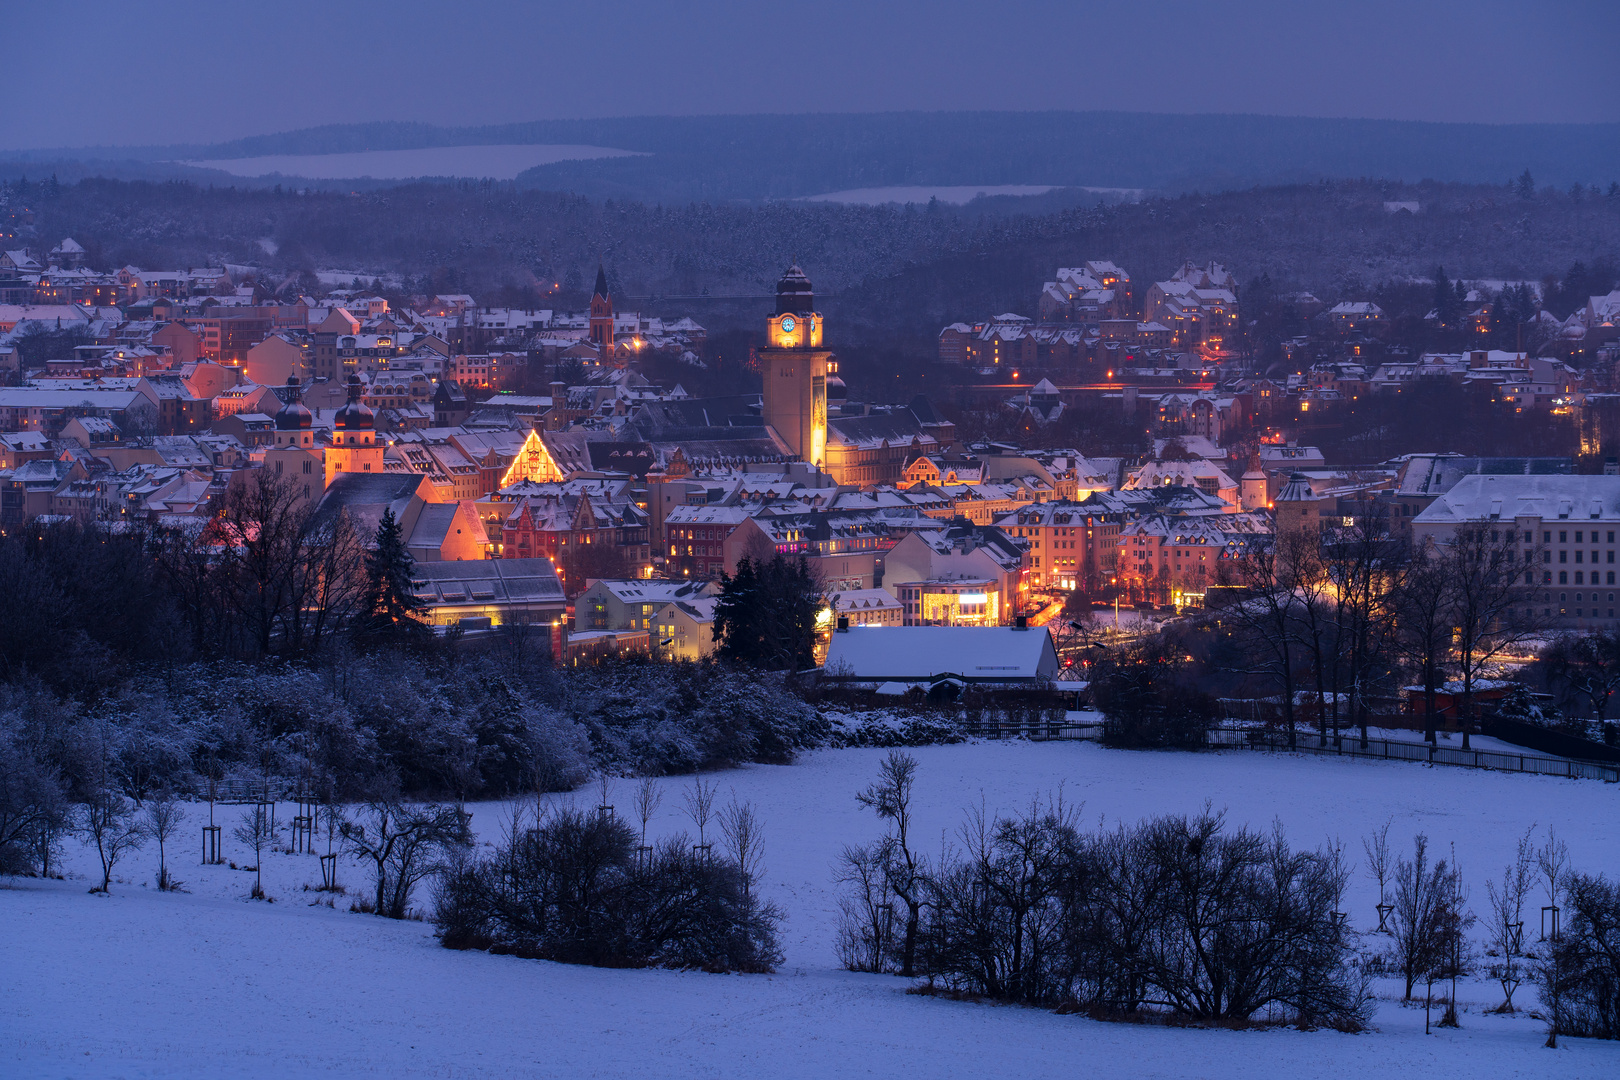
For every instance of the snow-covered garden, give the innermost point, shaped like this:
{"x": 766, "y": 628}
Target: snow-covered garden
{"x": 206, "y": 982}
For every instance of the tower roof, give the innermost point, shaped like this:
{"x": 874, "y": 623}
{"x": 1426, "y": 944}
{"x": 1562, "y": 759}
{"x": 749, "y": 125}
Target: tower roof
{"x": 794, "y": 293}
{"x": 293, "y": 415}
{"x": 1298, "y": 489}
{"x": 601, "y": 283}
{"x": 355, "y": 416}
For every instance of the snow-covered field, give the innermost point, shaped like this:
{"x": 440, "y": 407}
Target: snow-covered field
{"x": 208, "y": 983}
{"x": 494, "y": 162}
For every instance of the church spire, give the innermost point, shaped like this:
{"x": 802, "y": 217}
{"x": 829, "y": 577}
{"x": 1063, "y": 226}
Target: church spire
{"x": 601, "y": 328}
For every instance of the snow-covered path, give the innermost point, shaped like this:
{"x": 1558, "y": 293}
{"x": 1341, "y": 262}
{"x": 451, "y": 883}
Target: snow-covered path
{"x": 209, "y": 984}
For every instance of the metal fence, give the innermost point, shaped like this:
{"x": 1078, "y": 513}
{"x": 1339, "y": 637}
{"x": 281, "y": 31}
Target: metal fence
{"x": 1248, "y": 738}
{"x": 238, "y": 790}
{"x": 1036, "y": 730}
{"x": 1396, "y": 750}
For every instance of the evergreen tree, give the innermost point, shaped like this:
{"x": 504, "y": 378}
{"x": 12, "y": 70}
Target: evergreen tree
{"x": 766, "y": 614}
{"x": 1525, "y": 188}
{"x": 391, "y": 600}
{"x": 795, "y": 600}
{"x": 737, "y": 614}
{"x": 1445, "y": 299}
{"x": 1513, "y": 307}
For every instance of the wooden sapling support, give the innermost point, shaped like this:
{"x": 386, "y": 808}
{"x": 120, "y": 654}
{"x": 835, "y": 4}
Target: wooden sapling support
{"x": 303, "y": 825}
{"x": 211, "y": 855}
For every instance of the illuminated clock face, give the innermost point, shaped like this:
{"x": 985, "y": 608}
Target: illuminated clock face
{"x": 788, "y": 324}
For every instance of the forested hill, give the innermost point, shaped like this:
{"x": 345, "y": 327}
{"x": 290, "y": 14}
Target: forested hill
{"x": 749, "y": 158}
{"x": 899, "y": 269}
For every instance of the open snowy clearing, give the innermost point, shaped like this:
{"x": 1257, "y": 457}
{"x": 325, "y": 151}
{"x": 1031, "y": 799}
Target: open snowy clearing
{"x": 477, "y": 162}
{"x": 211, "y": 984}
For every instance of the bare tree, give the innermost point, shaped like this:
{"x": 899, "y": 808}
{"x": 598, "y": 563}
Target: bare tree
{"x": 263, "y": 523}
{"x": 186, "y": 560}
{"x": 1266, "y": 614}
{"x": 1586, "y": 666}
{"x": 327, "y": 582}
{"x": 105, "y": 819}
{"x": 890, "y": 799}
{"x": 1507, "y": 914}
{"x": 1315, "y": 617}
{"x": 1379, "y": 866}
{"x": 1424, "y": 628}
{"x": 866, "y": 909}
{"x": 163, "y": 817}
{"x": 1553, "y": 863}
{"x": 700, "y": 807}
{"x": 647, "y": 800}
{"x": 258, "y": 830}
{"x": 404, "y": 844}
{"x": 1368, "y": 570}
{"x": 1425, "y": 916}
{"x": 1486, "y": 598}
{"x": 31, "y": 801}
{"x": 739, "y": 824}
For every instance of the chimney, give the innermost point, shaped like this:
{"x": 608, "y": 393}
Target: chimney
{"x": 1611, "y": 466}
{"x": 843, "y": 624}
{"x": 1021, "y": 623}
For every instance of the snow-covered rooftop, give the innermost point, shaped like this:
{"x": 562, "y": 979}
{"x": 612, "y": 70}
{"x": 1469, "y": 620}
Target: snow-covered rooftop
{"x": 922, "y": 653}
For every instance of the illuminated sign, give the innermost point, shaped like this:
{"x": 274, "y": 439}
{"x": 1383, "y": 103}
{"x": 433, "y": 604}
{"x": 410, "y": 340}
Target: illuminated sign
{"x": 973, "y": 598}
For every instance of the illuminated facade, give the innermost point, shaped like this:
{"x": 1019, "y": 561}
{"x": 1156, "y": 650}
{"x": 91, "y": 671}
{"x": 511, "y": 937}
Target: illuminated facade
{"x": 533, "y": 462}
{"x": 795, "y": 367}
{"x": 950, "y": 603}
{"x": 354, "y": 438}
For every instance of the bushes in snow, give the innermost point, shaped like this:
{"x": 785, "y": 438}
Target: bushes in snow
{"x": 1178, "y": 914}
{"x": 1580, "y": 979}
{"x": 885, "y": 728}
{"x": 385, "y": 725}
{"x": 575, "y": 886}
{"x": 672, "y": 718}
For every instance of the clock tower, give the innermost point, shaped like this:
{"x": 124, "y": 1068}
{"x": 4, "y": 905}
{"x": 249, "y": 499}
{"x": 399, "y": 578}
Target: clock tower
{"x": 794, "y": 369}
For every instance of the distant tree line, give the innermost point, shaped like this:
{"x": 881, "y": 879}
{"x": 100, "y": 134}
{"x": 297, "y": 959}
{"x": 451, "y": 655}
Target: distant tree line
{"x": 1325, "y": 627}
{"x": 896, "y": 270}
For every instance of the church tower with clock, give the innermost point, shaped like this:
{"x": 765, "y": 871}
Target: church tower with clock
{"x": 794, "y": 367}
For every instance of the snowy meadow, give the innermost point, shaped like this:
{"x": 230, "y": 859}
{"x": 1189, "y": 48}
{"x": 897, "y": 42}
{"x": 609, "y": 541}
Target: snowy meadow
{"x": 209, "y": 983}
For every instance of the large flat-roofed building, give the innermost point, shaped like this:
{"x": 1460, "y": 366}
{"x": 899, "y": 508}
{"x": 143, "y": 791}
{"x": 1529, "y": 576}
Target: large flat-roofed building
{"x": 926, "y": 654}
{"x": 504, "y": 591}
{"x": 1563, "y": 528}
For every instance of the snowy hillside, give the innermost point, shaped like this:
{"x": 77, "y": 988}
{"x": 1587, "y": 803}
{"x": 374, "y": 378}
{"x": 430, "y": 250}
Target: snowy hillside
{"x": 207, "y": 983}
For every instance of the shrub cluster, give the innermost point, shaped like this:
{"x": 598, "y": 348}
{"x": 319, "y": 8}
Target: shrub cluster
{"x": 576, "y": 887}
{"x": 889, "y": 728}
{"x": 1178, "y": 916}
{"x": 1580, "y": 980}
